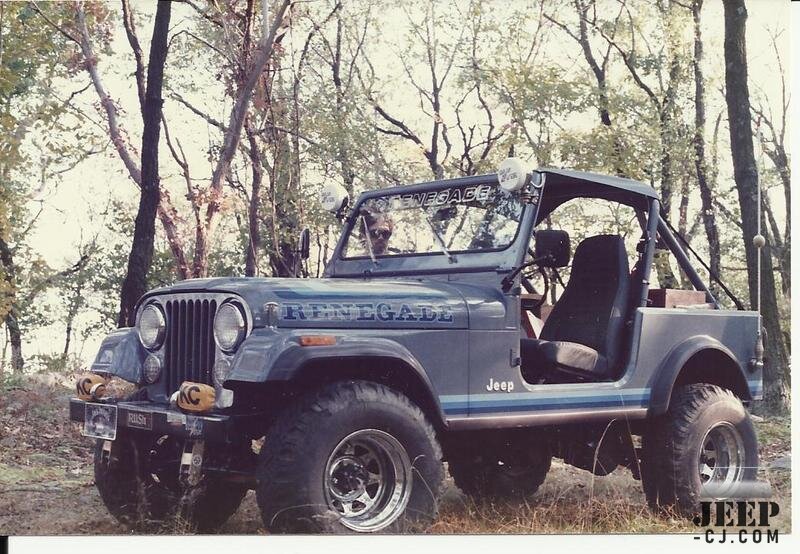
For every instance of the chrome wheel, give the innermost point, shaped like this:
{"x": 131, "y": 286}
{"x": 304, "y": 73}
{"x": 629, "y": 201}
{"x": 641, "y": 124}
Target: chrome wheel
{"x": 721, "y": 460}
{"x": 368, "y": 480}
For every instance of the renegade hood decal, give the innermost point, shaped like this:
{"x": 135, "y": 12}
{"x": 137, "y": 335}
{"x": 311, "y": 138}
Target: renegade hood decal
{"x": 343, "y": 303}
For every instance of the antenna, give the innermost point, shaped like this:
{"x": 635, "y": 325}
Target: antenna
{"x": 759, "y": 242}
{"x": 375, "y": 149}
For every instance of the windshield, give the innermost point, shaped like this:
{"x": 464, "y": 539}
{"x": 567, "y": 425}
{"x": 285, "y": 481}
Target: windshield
{"x": 465, "y": 218}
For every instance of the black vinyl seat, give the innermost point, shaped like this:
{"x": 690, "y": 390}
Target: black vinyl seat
{"x": 582, "y": 338}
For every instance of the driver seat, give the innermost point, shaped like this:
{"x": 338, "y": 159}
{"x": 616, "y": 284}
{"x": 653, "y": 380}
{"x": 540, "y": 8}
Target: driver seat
{"x": 582, "y": 338}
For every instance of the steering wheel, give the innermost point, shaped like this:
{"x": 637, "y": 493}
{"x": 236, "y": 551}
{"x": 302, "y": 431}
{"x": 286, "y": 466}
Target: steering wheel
{"x": 529, "y": 287}
{"x": 546, "y": 280}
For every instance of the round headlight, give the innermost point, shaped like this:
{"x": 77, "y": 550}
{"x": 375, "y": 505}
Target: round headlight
{"x": 152, "y": 369}
{"x": 221, "y": 369}
{"x": 152, "y": 327}
{"x": 229, "y": 327}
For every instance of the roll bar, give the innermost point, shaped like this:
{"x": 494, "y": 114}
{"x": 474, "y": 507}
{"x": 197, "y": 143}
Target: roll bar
{"x": 683, "y": 260}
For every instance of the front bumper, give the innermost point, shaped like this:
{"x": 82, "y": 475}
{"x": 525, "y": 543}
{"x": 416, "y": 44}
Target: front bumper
{"x": 144, "y": 416}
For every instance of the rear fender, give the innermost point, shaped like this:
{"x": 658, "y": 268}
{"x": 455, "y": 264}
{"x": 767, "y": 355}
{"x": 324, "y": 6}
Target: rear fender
{"x": 722, "y": 368}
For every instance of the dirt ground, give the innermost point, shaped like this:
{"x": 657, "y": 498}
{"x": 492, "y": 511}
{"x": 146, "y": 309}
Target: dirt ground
{"x": 47, "y": 487}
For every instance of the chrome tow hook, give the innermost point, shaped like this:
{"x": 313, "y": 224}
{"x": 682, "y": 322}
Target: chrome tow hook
{"x": 191, "y": 468}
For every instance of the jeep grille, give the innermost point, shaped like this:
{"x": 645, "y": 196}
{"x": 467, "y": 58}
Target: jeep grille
{"x": 189, "y": 345}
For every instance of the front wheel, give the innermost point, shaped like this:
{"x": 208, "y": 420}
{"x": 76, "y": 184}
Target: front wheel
{"x": 705, "y": 445}
{"x": 137, "y": 478}
{"x": 354, "y": 457}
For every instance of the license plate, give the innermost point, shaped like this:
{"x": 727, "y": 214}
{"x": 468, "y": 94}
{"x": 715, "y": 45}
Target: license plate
{"x": 140, "y": 420}
{"x": 100, "y": 421}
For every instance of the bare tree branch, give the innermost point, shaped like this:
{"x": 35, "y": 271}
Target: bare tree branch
{"x": 234, "y": 130}
{"x": 105, "y": 99}
{"x": 210, "y": 120}
{"x": 133, "y": 40}
{"x": 54, "y": 25}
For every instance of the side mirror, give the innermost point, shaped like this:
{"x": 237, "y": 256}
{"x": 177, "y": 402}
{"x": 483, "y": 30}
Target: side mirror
{"x": 334, "y": 198}
{"x": 304, "y": 244}
{"x": 553, "y": 245}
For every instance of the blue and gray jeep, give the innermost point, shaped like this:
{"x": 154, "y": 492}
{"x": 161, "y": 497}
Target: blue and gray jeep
{"x": 340, "y": 399}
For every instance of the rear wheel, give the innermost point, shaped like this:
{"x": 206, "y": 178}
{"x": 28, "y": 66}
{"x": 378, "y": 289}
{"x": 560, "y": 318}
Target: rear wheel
{"x": 354, "y": 457}
{"x": 706, "y": 443}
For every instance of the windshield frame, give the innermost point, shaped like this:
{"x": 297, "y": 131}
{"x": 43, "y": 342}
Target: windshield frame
{"x": 430, "y": 263}
{"x": 350, "y": 225}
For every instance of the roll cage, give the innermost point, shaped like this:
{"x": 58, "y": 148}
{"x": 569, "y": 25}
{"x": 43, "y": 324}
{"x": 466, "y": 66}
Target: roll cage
{"x": 557, "y": 187}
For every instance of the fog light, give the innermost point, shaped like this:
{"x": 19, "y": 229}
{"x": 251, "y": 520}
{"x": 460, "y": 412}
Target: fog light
{"x": 196, "y": 397}
{"x": 152, "y": 369}
{"x": 221, "y": 370}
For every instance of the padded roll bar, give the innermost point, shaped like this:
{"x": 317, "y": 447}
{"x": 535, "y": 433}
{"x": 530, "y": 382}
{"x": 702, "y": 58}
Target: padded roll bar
{"x": 653, "y": 219}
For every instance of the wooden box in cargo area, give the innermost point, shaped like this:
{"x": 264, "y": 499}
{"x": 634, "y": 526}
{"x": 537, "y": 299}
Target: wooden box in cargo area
{"x": 672, "y": 298}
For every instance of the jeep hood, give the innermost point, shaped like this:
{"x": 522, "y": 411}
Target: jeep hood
{"x": 353, "y": 303}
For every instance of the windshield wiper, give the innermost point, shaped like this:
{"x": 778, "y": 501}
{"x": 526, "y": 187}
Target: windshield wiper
{"x": 440, "y": 240}
{"x": 368, "y": 241}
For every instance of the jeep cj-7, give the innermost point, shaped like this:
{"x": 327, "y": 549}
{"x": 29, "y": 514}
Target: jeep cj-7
{"x": 340, "y": 399}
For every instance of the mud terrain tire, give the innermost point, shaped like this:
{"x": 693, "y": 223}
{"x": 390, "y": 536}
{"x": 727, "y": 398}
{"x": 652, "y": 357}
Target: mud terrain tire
{"x": 145, "y": 501}
{"x": 675, "y": 447}
{"x": 307, "y": 455}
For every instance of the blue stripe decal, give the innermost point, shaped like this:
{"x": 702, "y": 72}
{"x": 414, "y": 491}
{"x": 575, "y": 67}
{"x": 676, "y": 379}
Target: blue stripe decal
{"x": 516, "y": 402}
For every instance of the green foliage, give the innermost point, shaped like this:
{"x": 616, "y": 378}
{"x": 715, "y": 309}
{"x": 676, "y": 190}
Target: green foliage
{"x": 55, "y": 364}
{"x": 11, "y": 381}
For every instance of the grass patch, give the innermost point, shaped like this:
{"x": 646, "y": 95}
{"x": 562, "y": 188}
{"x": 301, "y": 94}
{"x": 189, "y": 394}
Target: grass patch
{"x": 774, "y": 431}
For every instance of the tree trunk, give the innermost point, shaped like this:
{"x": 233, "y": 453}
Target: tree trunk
{"x": 737, "y": 96}
{"x": 284, "y": 222}
{"x": 701, "y": 167}
{"x": 254, "y": 244}
{"x": 67, "y": 338}
{"x": 141, "y": 256}
{"x": 15, "y": 338}
{"x": 11, "y": 317}
{"x": 72, "y": 312}
{"x": 780, "y": 247}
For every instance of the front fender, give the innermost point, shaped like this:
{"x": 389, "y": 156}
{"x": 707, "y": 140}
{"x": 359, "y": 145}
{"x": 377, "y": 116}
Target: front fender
{"x": 271, "y": 356}
{"x": 675, "y": 361}
{"x": 122, "y": 355}
{"x": 268, "y": 355}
